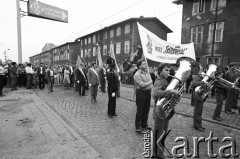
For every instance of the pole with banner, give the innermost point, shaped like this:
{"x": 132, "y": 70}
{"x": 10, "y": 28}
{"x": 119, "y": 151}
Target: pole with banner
{"x": 113, "y": 55}
{"x": 99, "y": 57}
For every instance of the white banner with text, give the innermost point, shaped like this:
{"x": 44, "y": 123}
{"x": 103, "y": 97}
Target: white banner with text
{"x": 158, "y": 50}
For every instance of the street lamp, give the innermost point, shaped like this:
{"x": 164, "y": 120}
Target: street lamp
{"x": 5, "y": 55}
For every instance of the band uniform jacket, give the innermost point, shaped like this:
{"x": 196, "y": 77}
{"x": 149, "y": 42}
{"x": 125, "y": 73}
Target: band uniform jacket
{"x": 93, "y": 78}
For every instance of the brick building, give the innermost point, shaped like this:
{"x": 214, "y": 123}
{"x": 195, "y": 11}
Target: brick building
{"x": 122, "y": 37}
{"x": 198, "y": 19}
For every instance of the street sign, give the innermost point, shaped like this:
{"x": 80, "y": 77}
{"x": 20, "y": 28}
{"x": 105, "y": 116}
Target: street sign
{"x": 42, "y": 10}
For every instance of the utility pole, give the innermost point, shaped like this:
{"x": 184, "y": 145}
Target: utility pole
{"x": 214, "y": 30}
{"x": 19, "y": 32}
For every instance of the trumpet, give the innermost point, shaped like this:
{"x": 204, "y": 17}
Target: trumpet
{"x": 230, "y": 84}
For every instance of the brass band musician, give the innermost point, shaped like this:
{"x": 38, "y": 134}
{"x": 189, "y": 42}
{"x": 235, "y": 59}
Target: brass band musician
{"x": 232, "y": 94}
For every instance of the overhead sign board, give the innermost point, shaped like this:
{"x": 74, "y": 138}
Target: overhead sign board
{"x": 42, "y": 10}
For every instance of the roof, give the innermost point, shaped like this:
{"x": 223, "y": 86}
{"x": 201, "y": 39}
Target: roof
{"x": 133, "y": 19}
{"x": 177, "y": 2}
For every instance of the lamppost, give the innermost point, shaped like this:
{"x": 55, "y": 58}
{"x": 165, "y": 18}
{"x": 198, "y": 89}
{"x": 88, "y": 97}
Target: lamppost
{"x": 5, "y": 55}
{"x": 214, "y": 30}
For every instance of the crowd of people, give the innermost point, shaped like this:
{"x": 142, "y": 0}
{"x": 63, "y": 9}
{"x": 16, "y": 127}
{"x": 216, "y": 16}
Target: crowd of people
{"x": 148, "y": 82}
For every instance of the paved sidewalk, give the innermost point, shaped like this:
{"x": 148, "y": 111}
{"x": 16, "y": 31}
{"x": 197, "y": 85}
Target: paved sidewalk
{"x": 30, "y": 129}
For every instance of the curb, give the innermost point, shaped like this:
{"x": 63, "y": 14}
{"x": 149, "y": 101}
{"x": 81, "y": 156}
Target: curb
{"x": 70, "y": 129}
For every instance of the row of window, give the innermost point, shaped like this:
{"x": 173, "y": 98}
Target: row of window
{"x": 93, "y": 39}
{"x": 61, "y": 57}
{"x": 197, "y": 33}
{"x": 106, "y": 50}
{"x": 199, "y": 6}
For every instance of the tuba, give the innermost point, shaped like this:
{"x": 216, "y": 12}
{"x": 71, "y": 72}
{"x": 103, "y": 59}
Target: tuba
{"x": 202, "y": 91}
{"x": 186, "y": 66}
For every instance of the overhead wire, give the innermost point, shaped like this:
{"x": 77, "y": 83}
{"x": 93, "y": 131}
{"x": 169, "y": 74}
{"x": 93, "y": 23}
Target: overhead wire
{"x": 116, "y": 14}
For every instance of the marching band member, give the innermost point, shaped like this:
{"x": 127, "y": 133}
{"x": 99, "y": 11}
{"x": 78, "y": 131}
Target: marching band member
{"x": 219, "y": 90}
{"x": 159, "y": 91}
{"x": 232, "y": 95}
{"x": 198, "y": 103}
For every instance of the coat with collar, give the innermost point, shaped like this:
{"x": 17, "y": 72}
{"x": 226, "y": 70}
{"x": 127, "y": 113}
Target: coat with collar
{"x": 80, "y": 75}
{"x": 39, "y": 70}
{"x": 93, "y": 78}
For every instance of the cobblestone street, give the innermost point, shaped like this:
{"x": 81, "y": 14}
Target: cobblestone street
{"x": 116, "y": 138}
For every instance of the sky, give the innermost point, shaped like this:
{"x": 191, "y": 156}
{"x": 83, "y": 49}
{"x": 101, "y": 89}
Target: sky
{"x": 84, "y": 17}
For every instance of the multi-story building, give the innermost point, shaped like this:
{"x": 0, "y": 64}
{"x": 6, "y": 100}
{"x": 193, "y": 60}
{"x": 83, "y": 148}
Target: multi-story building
{"x": 122, "y": 38}
{"x": 198, "y": 19}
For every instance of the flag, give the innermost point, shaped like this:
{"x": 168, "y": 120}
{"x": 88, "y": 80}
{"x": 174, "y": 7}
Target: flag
{"x": 99, "y": 56}
{"x": 79, "y": 61}
{"x": 112, "y": 54}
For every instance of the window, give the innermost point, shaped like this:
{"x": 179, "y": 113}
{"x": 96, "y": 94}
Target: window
{"x": 118, "y": 31}
{"x": 127, "y": 29}
{"x": 126, "y": 46}
{"x": 81, "y": 53}
{"x": 118, "y": 48}
{"x": 221, "y": 4}
{"x": 197, "y": 34}
{"x": 94, "y": 51}
{"x": 81, "y": 42}
{"x": 86, "y": 53}
{"x": 105, "y": 35}
{"x": 89, "y": 52}
{"x": 94, "y": 39}
{"x": 216, "y": 60}
{"x": 111, "y": 33}
{"x": 85, "y": 41}
{"x": 198, "y": 7}
{"x": 104, "y": 49}
{"x": 89, "y": 40}
{"x": 218, "y": 32}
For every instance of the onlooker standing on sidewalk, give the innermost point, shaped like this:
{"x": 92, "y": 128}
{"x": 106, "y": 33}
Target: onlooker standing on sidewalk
{"x": 21, "y": 75}
{"x": 41, "y": 75}
{"x": 29, "y": 72}
{"x": 2, "y": 76}
{"x": 50, "y": 78}
{"x": 143, "y": 84}
{"x": 112, "y": 80}
{"x": 13, "y": 75}
{"x": 93, "y": 82}
{"x": 66, "y": 79}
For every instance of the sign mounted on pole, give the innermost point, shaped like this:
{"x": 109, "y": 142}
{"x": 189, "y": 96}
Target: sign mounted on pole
{"x": 42, "y": 10}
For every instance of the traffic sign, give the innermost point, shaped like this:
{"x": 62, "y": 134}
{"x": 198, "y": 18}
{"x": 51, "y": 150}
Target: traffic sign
{"x": 42, "y": 10}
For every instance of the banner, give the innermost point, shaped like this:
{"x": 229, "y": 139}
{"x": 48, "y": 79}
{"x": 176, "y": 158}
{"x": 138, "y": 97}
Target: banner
{"x": 99, "y": 56}
{"x": 159, "y": 50}
{"x": 79, "y": 61}
{"x": 112, "y": 54}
